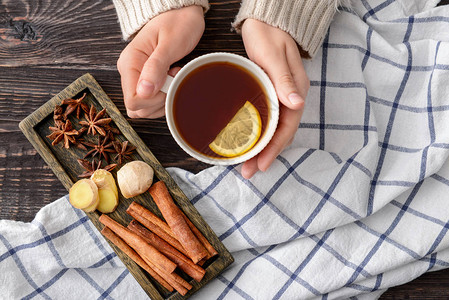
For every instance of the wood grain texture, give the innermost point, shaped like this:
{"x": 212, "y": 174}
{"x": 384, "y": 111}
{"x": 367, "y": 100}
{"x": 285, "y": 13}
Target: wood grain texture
{"x": 40, "y": 33}
{"x": 430, "y": 286}
{"x": 45, "y": 45}
{"x": 64, "y": 164}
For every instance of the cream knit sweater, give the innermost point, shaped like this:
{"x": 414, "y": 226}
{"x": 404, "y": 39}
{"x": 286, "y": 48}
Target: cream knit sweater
{"x": 307, "y": 21}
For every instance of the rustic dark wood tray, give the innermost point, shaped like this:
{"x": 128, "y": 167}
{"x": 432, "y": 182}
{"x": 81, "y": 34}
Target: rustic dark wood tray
{"x": 64, "y": 164}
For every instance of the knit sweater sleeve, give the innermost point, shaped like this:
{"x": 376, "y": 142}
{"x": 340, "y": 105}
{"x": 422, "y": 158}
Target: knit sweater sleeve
{"x": 134, "y": 14}
{"x": 307, "y": 21}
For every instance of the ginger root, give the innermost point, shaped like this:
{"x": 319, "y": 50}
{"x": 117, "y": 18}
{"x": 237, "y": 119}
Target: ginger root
{"x": 107, "y": 191}
{"x": 94, "y": 206}
{"x": 135, "y": 178}
{"x": 84, "y": 195}
{"x": 108, "y": 201}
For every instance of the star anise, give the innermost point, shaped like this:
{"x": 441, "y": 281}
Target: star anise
{"x": 79, "y": 143}
{"x": 75, "y": 105}
{"x": 82, "y": 130}
{"x": 91, "y": 167}
{"x": 58, "y": 116}
{"x": 64, "y": 132}
{"x": 111, "y": 131}
{"x": 124, "y": 150}
{"x": 102, "y": 148}
{"x": 95, "y": 121}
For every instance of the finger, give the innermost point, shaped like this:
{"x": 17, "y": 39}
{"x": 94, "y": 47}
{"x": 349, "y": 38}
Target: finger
{"x": 288, "y": 125}
{"x": 249, "y": 168}
{"x": 153, "y": 105}
{"x": 132, "y": 114}
{"x": 147, "y": 114}
{"x": 296, "y": 66}
{"x": 129, "y": 78}
{"x": 129, "y": 65}
{"x": 173, "y": 71}
{"x": 154, "y": 73}
{"x": 276, "y": 65}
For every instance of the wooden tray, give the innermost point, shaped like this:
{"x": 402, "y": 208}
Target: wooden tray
{"x": 65, "y": 166}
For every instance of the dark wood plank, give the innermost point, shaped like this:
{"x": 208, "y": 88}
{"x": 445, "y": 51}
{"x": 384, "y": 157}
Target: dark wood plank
{"x": 85, "y": 34}
{"x": 59, "y": 33}
{"x": 45, "y": 45}
{"x": 430, "y": 286}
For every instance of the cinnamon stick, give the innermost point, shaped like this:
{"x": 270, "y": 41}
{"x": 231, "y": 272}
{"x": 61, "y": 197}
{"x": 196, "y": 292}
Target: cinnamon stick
{"x": 174, "y": 217}
{"x": 173, "y": 279}
{"x": 116, "y": 240}
{"x": 201, "y": 238}
{"x": 139, "y": 245}
{"x": 156, "y": 225}
{"x": 183, "y": 262}
{"x": 202, "y": 262}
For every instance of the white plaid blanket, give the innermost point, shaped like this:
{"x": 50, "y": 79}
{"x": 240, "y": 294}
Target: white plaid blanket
{"x": 358, "y": 203}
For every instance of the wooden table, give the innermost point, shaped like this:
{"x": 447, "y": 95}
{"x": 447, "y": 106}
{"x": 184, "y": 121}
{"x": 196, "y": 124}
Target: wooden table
{"x": 44, "y": 46}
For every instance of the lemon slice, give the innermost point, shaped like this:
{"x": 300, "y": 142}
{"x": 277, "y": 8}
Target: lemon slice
{"x": 240, "y": 134}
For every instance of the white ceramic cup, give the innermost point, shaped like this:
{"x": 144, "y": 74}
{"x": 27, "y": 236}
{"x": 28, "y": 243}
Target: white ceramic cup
{"x": 172, "y": 84}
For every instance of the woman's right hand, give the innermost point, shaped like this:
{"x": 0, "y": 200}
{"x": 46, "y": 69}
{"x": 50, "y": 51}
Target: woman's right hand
{"x": 277, "y": 53}
{"x": 144, "y": 64}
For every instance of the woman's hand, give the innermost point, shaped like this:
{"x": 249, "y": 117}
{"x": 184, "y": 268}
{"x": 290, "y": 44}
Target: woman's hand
{"x": 277, "y": 54}
{"x": 145, "y": 62}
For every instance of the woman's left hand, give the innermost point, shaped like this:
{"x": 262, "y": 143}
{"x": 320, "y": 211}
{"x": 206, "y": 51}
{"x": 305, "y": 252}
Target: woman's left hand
{"x": 277, "y": 54}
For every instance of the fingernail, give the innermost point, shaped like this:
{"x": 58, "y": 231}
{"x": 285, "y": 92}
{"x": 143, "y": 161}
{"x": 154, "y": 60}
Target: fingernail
{"x": 294, "y": 98}
{"x": 145, "y": 88}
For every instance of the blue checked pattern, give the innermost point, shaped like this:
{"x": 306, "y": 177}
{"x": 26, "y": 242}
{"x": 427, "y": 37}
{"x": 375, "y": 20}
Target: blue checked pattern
{"x": 355, "y": 205}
